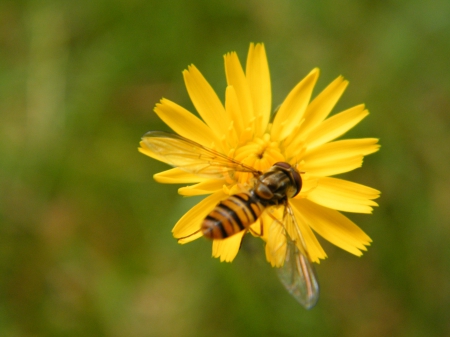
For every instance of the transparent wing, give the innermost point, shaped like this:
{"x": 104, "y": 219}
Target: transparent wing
{"x": 191, "y": 156}
{"x": 297, "y": 273}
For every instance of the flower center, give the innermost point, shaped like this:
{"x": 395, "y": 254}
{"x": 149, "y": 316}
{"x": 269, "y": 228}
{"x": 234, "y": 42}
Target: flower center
{"x": 260, "y": 153}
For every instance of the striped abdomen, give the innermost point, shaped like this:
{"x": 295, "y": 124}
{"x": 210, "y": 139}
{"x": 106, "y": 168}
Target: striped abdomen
{"x": 231, "y": 216}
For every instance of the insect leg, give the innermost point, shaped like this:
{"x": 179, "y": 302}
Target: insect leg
{"x": 188, "y": 236}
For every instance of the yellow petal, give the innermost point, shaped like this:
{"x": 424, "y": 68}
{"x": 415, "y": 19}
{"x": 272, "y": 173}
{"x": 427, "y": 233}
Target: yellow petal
{"x": 314, "y": 248}
{"x": 322, "y": 105}
{"x": 343, "y": 195}
{"x": 308, "y": 183}
{"x": 205, "y": 100}
{"x": 190, "y": 222}
{"x": 236, "y": 77}
{"x": 185, "y": 123}
{"x": 293, "y": 107}
{"x": 344, "y": 148}
{"x": 275, "y": 237}
{"x": 335, "y": 126}
{"x": 228, "y": 248}
{"x": 234, "y": 110}
{"x": 257, "y": 229}
{"x": 325, "y": 168}
{"x": 276, "y": 244}
{"x": 266, "y": 221}
{"x": 177, "y": 176}
{"x": 148, "y": 152}
{"x": 335, "y": 152}
{"x": 258, "y": 77}
{"x": 206, "y": 187}
{"x": 333, "y": 226}
{"x": 294, "y": 143}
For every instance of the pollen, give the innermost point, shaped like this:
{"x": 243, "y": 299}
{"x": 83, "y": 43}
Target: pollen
{"x": 260, "y": 153}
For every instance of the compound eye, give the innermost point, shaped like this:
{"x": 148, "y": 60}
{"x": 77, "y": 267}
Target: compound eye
{"x": 282, "y": 165}
{"x": 297, "y": 181}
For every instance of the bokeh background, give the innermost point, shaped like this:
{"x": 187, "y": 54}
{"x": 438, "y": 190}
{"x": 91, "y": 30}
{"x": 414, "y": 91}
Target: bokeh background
{"x": 85, "y": 232}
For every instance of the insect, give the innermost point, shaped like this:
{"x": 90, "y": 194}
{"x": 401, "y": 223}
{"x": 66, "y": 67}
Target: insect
{"x": 239, "y": 211}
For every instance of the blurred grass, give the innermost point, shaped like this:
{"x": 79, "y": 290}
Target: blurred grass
{"x": 85, "y": 241}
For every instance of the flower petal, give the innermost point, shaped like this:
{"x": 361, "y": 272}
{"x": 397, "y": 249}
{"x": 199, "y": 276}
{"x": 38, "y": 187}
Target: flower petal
{"x": 205, "y": 187}
{"x": 205, "y": 100}
{"x": 332, "y": 155}
{"x": 190, "y": 222}
{"x": 185, "y": 123}
{"x": 335, "y": 126}
{"x": 344, "y": 148}
{"x": 343, "y": 195}
{"x": 293, "y": 107}
{"x": 308, "y": 183}
{"x": 275, "y": 237}
{"x": 315, "y": 250}
{"x": 276, "y": 244}
{"x": 236, "y": 78}
{"x": 324, "y": 168}
{"x": 258, "y": 78}
{"x": 148, "y": 152}
{"x": 322, "y": 105}
{"x": 333, "y": 226}
{"x": 256, "y": 229}
{"x": 228, "y": 248}
{"x": 234, "y": 110}
{"x": 177, "y": 176}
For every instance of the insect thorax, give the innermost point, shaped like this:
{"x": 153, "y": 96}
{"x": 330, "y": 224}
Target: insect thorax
{"x": 280, "y": 182}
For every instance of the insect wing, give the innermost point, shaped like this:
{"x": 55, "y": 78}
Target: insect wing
{"x": 297, "y": 273}
{"x": 191, "y": 156}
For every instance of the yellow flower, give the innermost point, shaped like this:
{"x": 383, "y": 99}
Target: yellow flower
{"x": 300, "y": 134}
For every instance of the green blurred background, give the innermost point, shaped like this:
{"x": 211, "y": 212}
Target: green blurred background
{"x": 85, "y": 232}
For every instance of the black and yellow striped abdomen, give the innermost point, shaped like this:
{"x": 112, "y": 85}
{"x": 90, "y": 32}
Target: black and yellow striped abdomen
{"x": 231, "y": 216}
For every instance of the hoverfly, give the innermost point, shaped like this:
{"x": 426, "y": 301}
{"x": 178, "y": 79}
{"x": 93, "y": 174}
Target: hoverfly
{"x": 239, "y": 211}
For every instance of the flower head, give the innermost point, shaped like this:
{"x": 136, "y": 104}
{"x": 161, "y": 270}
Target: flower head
{"x": 300, "y": 133}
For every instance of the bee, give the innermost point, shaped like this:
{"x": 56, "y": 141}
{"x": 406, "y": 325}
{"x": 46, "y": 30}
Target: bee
{"x": 239, "y": 211}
